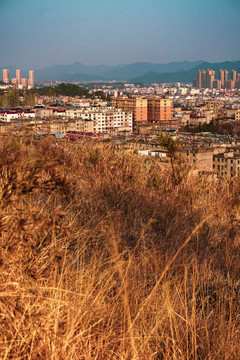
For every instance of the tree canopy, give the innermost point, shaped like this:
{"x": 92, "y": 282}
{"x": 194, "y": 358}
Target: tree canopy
{"x": 70, "y": 90}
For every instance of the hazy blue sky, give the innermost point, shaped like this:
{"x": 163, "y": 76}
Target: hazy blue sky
{"x": 38, "y": 33}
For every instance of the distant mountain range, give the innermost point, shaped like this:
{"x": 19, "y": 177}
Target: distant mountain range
{"x": 81, "y": 72}
{"x": 140, "y": 72}
{"x": 185, "y": 76}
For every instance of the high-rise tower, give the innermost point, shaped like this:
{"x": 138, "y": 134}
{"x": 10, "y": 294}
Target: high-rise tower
{"x": 18, "y": 76}
{"x": 199, "y": 79}
{"x": 204, "y": 79}
{"x": 6, "y": 76}
{"x": 223, "y": 77}
{"x": 210, "y": 78}
{"x": 234, "y": 75}
{"x": 31, "y": 79}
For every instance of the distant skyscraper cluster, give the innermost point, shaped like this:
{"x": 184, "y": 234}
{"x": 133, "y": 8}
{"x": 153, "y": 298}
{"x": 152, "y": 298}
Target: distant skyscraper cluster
{"x": 206, "y": 80}
{"x": 18, "y": 81}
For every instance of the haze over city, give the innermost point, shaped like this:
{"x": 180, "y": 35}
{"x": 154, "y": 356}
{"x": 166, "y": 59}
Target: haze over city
{"x": 35, "y": 33}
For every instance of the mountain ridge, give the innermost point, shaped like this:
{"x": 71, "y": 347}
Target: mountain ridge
{"x": 185, "y": 76}
{"x": 140, "y": 72}
{"x": 103, "y": 72}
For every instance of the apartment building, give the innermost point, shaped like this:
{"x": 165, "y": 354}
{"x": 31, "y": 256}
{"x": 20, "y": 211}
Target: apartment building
{"x": 31, "y": 79}
{"x": 159, "y": 109}
{"x": 6, "y": 76}
{"x": 197, "y": 119}
{"x": 237, "y": 115}
{"x": 223, "y": 77}
{"x": 64, "y": 126}
{"x": 137, "y": 106}
{"x": 105, "y": 120}
{"x": 18, "y": 81}
{"x": 212, "y": 106}
{"x": 146, "y": 110}
{"x": 206, "y": 79}
{"x": 18, "y": 77}
{"x": 210, "y": 78}
{"x": 200, "y": 158}
{"x": 227, "y": 164}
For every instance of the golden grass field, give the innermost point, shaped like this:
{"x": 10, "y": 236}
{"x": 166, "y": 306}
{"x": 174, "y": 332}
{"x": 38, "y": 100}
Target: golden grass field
{"x": 105, "y": 257}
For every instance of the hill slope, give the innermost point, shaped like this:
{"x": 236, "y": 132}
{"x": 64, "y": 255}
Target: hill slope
{"x": 104, "y": 256}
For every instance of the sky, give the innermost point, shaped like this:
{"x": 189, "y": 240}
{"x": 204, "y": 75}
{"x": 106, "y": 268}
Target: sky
{"x": 39, "y": 33}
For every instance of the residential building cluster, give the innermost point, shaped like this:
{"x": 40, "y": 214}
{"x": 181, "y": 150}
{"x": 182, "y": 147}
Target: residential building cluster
{"x": 19, "y": 82}
{"x": 135, "y": 117}
{"x": 95, "y": 119}
{"x": 205, "y": 79}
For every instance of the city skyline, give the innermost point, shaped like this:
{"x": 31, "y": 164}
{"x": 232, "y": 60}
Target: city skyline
{"x": 110, "y": 32}
{"x": 19, "y": 81}
{"x": 206, "y": 79}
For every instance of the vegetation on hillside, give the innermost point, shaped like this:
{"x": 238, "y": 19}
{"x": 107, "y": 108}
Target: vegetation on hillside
{"x": 211, "y": 127}
{"x": 103, "y": 256}
{"x": 63, "y": 89}
{"x": 69, "y": 90}
{"x": 218, "y": 126}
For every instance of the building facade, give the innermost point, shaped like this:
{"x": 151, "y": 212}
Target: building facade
{"x": 227, "y": 164}
{"x": 8, "y": 116}
{"x": 206, "y": 79}
{"x": 31, "y": 79}
{"x": 147, "y": 110}
{"x": 18, "y": 81}
{"x": 6, "y": 76}
{"x": 18, "y": 77}
{"x": 105, "y": 120}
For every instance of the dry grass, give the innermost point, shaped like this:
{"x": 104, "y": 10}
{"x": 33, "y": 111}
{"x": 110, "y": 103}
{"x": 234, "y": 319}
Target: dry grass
{"x": 103, "y": 257}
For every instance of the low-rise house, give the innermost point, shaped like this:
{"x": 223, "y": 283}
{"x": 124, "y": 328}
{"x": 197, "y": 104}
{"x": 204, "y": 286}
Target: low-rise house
{"x": 10, "y": 115}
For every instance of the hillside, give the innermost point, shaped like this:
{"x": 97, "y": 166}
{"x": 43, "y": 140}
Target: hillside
{"x": 69, "y": 90}
{"x": 104, "y": 256}
{"x": 63, "y": 89}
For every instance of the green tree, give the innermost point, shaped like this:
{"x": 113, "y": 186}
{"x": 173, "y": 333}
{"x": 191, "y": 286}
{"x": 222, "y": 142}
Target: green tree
{"x": 171, "y": 146}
